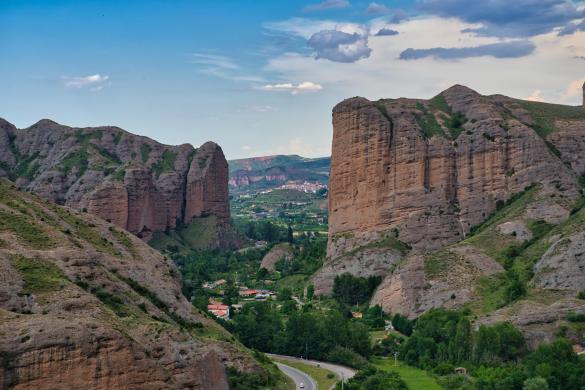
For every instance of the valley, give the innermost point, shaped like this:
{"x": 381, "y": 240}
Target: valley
{"x": 442, "y": 251}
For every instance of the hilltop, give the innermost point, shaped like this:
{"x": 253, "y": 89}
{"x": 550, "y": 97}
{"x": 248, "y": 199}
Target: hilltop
{"x": 136, "y": 183}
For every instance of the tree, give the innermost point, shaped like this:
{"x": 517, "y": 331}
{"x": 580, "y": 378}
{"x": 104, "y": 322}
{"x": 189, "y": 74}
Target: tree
{"x": 231, "y": 293}
{"x": 289, "y": 235}
{"x": 536, "y": 383}
{"x": 460, "y": 347}
{"x": 310, "y": 292}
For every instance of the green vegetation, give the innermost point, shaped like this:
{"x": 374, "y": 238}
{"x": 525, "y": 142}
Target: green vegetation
{"x": 39, "y": 276}
{"x": 145, "y": 150}
{"x": 198, "y": 234}
{"x": 87, "y": 232}
{"x": 165, "y": 164}
{"x": 324, "y": 378}
{"x": 124, "y": 240}
{"x": 437, "y": 263}
{"x": 428, "y": 123}
{"x": 545, "y": 114}
{"x": 26, "y": 167}
{"x": 85, "y": 137}
{"x": 495, "y": 356}
{"x": 25, "y": 229}
{"x": 352, "y": 290}
{"x": 77, "y": 159}
{"x": 323, "y": 335}
{"x": 372, "y": 378}
{"x": 414, "y": 378}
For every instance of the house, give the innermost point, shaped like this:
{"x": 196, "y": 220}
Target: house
{"x": 248, "y": 293}
{"x": 356, "y": 314}
{"x": 220, "y": 311}
{"x": 461, "y": 370}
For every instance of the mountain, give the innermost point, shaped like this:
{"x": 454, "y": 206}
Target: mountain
{"x": 84, "y": 304}
{"x": 136, "y": 183}
{"x": 271, "y": 171}
{"x": 457, "y": 200}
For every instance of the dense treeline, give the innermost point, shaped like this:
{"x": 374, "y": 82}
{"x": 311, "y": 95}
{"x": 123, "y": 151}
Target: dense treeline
{"x": 371, "y": 378}
{"x": 309, "y": 333}
{"x": 495, "y": 356}
{"x": 353, "y": 290}
{"x": 308, "y": 257}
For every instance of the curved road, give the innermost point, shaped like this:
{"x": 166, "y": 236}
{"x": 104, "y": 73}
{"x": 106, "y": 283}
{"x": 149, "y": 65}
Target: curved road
{"x": 341, "y": 371}
{"x": 298, "y": 376}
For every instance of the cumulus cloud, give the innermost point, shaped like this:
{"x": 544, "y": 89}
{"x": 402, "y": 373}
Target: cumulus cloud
{"x": 535, "y": 96}
{"x": 386, "y": 32}
{"x": 504, "y": 18}
{"x": 95, "y": 82}
{"x": 572, "y": 28}
{"x": 377, "y": 9}
{"x": 327, "y": 4}
{"x": 293, "y": 89}
{"x": 340, "y": 46}
{"x": 513, "y": 49}
{"x": 575, "y": 88}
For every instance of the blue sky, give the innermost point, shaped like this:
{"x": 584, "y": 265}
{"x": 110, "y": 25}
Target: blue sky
{"x": 261, "y": 77}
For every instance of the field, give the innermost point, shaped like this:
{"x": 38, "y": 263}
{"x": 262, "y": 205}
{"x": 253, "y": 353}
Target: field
{"x": 415, "y": 379}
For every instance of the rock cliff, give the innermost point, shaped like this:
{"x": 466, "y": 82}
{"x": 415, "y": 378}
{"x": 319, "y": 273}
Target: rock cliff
{"x": 84, "y": 304}
{"x": 455, "y": 193}
{"x": 132, "y": 181}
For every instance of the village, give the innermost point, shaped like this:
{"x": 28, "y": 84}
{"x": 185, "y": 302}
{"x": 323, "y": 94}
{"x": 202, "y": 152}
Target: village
{"x": 221, "y": 310}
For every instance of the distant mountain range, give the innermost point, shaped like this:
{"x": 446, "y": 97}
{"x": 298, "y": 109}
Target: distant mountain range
{"x": 269, "y": 171}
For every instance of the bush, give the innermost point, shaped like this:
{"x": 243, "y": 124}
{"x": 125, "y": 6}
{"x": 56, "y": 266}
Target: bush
{"x": 346, "y": 357}
{"x": 581, "y": 295}
{"x": 536, "y": 383}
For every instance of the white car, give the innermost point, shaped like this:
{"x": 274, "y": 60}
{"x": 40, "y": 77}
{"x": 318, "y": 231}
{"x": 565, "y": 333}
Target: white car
{"x": 301, "y": 385}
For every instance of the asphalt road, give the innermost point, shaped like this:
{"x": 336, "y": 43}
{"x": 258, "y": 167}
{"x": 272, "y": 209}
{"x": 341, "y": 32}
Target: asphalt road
{"x": 341, "y": 371}
{"x": 298, "y": 376}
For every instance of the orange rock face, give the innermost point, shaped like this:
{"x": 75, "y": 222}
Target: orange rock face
{"x": 428, "y": 171}
{"x": 132, "y": 181}
{"x": 387, "y": 174}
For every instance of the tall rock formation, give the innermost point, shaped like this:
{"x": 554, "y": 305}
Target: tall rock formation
{"x": 134, "y": 182}
{"x": 426, "y": 172}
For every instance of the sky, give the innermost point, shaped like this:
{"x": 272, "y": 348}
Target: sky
{"x": 261, "y": 77}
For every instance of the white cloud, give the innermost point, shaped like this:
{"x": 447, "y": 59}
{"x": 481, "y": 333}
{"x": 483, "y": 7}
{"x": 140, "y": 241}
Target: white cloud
{"x": 294, "y": 89}
{"x": 383, "y": 75}
{"x": 94, "y": 82}
{"x": 575, "y": 88}
{"x": 535, "y": 96}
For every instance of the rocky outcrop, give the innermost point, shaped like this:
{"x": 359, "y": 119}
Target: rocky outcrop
{"x": 562, "y": 267}
{"x": 429, "y": 171}
{"x": 278, "y": 252}
{"x": 84, "y": 304}
{"x": 132, "y": 181}
{"x": 426, "y": 281}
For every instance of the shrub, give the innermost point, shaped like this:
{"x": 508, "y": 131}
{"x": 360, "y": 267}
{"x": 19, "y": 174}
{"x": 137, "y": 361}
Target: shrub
{"x": 346, "y": 357}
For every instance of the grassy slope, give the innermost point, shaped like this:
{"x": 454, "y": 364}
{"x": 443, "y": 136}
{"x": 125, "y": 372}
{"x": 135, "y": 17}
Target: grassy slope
{"x": 415, "y": 378}
{"x": 198, "y": 234}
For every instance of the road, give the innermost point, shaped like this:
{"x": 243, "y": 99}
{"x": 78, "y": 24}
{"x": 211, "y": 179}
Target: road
{"x": 341, "y": 371}
{"x": 298, "y": 376}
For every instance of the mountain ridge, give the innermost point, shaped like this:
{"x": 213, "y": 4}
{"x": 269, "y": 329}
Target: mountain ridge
{"x": 117, "y": 175}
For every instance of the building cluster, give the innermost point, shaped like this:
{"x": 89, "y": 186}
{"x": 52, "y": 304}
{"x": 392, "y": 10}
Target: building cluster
{"x": 304, "y": 186}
